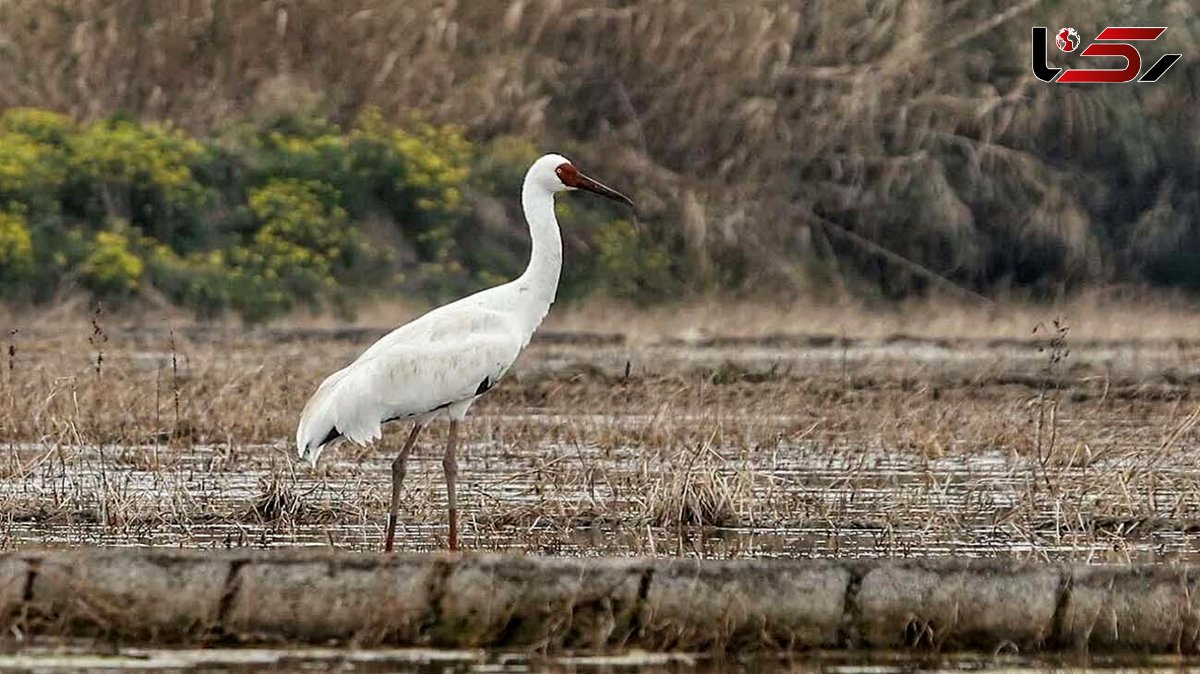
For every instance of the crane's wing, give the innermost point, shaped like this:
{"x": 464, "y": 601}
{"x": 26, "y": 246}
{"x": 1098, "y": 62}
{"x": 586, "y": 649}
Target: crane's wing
{"x": 407, "y": 378}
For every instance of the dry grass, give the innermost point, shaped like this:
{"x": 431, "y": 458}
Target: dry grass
{"x": 866, "y": 445}
{"x": 1116, "y": 314}
{"x": 1095, "y": 315}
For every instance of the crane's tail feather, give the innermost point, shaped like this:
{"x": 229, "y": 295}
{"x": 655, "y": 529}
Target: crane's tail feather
{"x": 318, "y": 426}
{"x": 311, "y": 451}
{"x": 329, "y": 416}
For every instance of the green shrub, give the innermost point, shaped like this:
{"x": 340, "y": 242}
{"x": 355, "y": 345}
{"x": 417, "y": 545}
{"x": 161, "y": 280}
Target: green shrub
{"x": 303, "y": 212}
{"x": 199, "y": 281}
{"x": 148, "y": 155}
{"x": 323, "y": 156}
{"x": 488, "y": 253}
{"x": 501, "y": 164}
{"x": 415, "y": 176}
{"x": 141, "y": 173}
{"x": 629, "y": 265}
{"x": 265, "y": 218}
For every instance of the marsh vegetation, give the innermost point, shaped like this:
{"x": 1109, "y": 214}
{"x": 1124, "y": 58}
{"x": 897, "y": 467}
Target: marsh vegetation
{"x": 909, "y": 433}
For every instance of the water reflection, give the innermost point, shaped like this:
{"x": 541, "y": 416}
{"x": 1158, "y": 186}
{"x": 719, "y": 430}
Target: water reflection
{"x": 823, "y": 499}
{"x": 76, "y": 656}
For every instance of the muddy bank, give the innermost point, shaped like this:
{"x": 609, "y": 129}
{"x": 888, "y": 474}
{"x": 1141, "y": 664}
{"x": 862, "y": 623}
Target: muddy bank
{"x": 480, "y": 600}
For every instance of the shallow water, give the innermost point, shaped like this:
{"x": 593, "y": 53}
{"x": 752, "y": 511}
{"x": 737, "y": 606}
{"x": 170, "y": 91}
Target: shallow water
{"x": 857, "y": 474}
{"x": 805, "y": 500}
{"x": 79, "y": 657}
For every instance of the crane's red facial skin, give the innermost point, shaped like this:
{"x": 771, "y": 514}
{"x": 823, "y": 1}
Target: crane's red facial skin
{"x": 571, "y": 177}
{"x": 568, "y": 174}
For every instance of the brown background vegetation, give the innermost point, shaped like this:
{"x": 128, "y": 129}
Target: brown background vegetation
{"x": 769, "y": 144}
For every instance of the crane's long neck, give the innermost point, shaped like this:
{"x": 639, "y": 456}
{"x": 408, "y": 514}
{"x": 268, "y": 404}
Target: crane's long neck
{"x": 539, "y": 283}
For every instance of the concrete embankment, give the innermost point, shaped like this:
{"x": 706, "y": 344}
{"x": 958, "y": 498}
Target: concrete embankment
{"x": 482, "y": 600}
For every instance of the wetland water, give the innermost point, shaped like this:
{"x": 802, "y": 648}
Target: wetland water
{"x": 888, "y": 448}
{"x": 801, "y": 448}
{"x": 802, "y": 501}
{"x": 79, "y": 657}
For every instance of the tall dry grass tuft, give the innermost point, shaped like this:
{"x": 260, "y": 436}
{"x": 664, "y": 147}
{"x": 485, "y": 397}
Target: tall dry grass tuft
{"x": 704, "y": 491}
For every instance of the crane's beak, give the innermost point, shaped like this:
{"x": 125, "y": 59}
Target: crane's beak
{"x": 585, "y": 183}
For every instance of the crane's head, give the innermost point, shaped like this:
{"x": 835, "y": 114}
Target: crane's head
{"x": 556, "y": 173}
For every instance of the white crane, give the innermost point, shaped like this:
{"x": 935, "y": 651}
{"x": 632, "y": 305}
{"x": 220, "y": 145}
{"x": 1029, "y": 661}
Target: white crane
{"x": 438, "y": 364}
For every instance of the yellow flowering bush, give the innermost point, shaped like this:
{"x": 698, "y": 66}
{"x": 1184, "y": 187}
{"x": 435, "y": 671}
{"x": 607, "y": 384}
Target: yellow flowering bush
{"x": 16, "y": 250}
{"x": 436, "y": 164}
{"x": 28, "y": 166}
{"x": 297, "y": 212}
{"x": 427, "y": 164}
{"x": 301, "y": 247}
{"x": 32, "y": 162}
{"x": 148, "y": 156}
{"x": 264, "y": 217}
{"x": 43, "y": 126}
{"x": 111, "y": 267}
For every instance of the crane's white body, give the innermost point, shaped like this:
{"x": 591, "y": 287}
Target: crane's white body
{"x": 441, "y": 362}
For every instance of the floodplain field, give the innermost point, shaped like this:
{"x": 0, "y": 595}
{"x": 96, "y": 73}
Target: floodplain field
{"x": 701, "y": 432}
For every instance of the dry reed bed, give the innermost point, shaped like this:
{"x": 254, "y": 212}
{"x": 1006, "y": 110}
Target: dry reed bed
{"x": 799, "y": 447}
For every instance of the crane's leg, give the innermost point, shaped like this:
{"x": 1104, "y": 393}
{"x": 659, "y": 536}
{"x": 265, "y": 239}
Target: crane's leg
{"x": 450, "y": 465}
{"x": 397, "y": 478}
